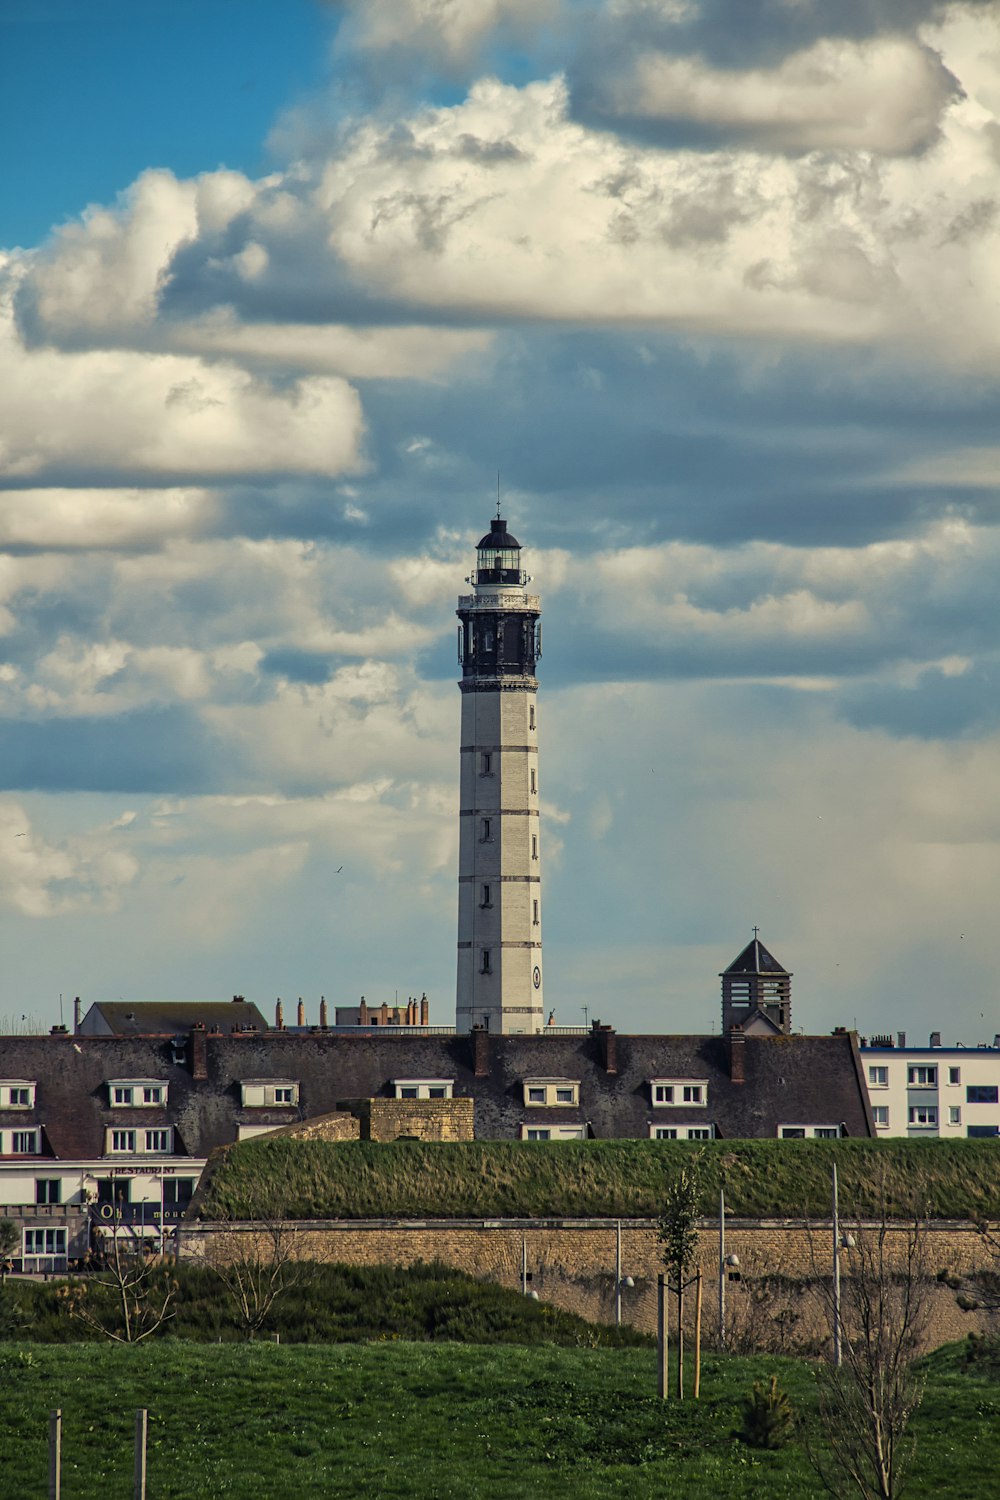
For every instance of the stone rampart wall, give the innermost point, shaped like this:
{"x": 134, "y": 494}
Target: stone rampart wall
{"x": 777, "y": 1302}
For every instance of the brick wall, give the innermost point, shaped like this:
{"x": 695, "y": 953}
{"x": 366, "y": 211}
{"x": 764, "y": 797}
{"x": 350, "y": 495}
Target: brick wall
{"x": 421, "y": 1119}
{"x": 776, "y": 1304}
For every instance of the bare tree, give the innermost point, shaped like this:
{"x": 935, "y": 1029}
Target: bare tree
{"x": 866, "y": 1403}
{"x": 257, "y": 1264}
{"x": 129, "y": 1293}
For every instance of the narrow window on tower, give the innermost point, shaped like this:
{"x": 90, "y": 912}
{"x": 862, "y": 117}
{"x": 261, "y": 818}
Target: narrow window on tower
{"x": 486, "y": 831}
{"x": 534, "y": 917}
{"x": 531, "y": 716}
{"x": 488, "y": 641}
{"x": 487, "y": 766}
{"x": 534, "y": 846}
{"x": 487, "y": 967}
{"x": 534, "y": 786}
{"x": 486, "y": 895}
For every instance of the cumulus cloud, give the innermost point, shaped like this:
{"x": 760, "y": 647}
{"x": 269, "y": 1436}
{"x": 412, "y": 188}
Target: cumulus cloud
{"x": 129, "y": 414}
{"x": 39, "y": 879}
{"x": 452, "y": 31}
{"x": 88, "y": 519}
{"x": 886, "y": 95}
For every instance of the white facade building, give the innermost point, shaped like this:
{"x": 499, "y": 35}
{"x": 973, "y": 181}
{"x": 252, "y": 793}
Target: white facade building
{"x": 499, "y": 881}
{"x": 932, "y": 1091}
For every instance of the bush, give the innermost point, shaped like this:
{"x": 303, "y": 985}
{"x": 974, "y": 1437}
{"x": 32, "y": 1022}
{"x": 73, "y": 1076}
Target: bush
{"x": 768, "y": 1420}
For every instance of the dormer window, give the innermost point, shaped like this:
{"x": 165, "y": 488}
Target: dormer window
{"x": 558, "y": 1092}
{"x": 17, "y": 1093}
{"x": 679, "y": 1093}
{"x": 137, "y": 1093}
{"x": 269, "y": 1093}
{"x": 423, "y": 1088}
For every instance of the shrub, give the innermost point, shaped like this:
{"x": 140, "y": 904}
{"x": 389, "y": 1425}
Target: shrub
{"x": 768, "y": 1420}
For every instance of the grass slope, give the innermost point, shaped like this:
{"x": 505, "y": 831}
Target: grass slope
{"x": 335, "y": 1304}
{"x": 600, "y": 1179}
{"x": 425, "y": 1422}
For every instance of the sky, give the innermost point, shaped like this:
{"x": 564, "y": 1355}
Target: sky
{"x": 714, "y": 287}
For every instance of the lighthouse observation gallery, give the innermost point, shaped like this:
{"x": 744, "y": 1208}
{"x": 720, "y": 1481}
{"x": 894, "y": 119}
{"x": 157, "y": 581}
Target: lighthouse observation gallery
{"x": 499, "y": 869}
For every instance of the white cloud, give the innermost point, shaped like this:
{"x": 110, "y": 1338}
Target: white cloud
{"x": 133, "y": 414}
{"x": 451, "y": 30}
{"x": 89, "y": 519}
{"x": 39, "y": 879}
{"x": 886, "y": 94}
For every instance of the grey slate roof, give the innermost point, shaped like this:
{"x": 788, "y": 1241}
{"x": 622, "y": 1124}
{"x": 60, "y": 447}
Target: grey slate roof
{"x": 788, "y": 1080}
{"x": 161, "y": 1018}
{"x": 755, "y": 959}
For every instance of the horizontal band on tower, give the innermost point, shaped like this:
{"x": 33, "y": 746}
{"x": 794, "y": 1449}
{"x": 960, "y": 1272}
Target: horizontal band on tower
{"x": 499, "y": 685}
{"x": 499, "y": 812}
{"x": 501, "y": 879}
{"x": 489, "y": 943}
{"x": 495, "y": 749}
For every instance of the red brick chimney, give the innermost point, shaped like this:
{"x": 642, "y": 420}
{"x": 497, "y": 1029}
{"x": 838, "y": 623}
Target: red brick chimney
{"x": 607, "y": 1046}
{"x": 737, "y": 1055}
{"x": 322, "y": 1012}
{"x": 301, "y": 1021}
{"x": 425, "y": 1011}
{"x": 480, "y": 1051}
{"x": 199, "y": 1052}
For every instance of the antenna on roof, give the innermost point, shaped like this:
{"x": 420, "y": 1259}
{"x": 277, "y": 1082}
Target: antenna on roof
{"x": 498, "y": 494}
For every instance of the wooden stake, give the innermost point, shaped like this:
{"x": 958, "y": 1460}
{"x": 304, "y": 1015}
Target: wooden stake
{"x": 680, "y": 1343}
{"x": 141, "y": 1417}
{"x": 661, "y": 1337}
{"x": 697, "y": 1336}
{"x": 55, "y": 1454}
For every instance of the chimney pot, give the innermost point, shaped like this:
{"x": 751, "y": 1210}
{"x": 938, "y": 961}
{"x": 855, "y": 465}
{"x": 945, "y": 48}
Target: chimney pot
{"x": 900, "y": 1038}
{"x": 935, "y": 1038}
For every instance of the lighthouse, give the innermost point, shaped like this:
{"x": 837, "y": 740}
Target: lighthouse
{"x": 499, "y": 865}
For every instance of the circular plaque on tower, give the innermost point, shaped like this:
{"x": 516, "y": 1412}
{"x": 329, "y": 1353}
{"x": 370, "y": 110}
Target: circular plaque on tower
{"x": 536, "y": 977}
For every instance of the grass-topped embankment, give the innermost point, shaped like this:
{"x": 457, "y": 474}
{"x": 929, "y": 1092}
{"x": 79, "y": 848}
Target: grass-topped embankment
{"x": 595, "y": 1179}
{"x": 421, "y": 1422}
{"x": 333, "y": 1305}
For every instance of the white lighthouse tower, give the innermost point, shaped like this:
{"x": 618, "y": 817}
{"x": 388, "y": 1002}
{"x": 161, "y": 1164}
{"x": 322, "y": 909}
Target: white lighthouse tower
{"x": 499, "y": 865}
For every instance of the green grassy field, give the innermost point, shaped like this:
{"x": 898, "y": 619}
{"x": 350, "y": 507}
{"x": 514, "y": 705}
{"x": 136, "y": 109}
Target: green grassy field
{"x": 600, "y": 1179}
{"x": 263, "y": 1422}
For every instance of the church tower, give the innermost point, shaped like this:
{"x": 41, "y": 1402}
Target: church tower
{"x": 499, "y": 866}
{"x": 756, "y": 993}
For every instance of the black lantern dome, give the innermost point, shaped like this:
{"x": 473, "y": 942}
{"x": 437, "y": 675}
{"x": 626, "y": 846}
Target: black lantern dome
{"x": 498, "y": 557}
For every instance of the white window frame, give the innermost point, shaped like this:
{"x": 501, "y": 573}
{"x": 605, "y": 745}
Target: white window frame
{"x": 423, "y": 1087}
{"x": 121, "y": 1142}
{"x": 916, "y": 1110}
{"x": 881, "y": 1110}
{"x": 549, "y": 1088}
{"x": 25, "y": 1142}
{"x": 130, "y": 1093}
{"x": 153, "y": 1137}
{"x": 810, "y": 1130}
{"x": 675, "y": 1093}
{"x": 262, "y": 1093}
{"x": 658, "y": 1132}
{"x": 10, "y": 1086}
{"x": 954, "y": 1114}
{"x": 915, "y": 1081}
{"x": 54, "y": 1235}
{"x": 954, "y": 1077}
{"x": 553, "y": 1132}
{"x": 878, "y": 1076}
